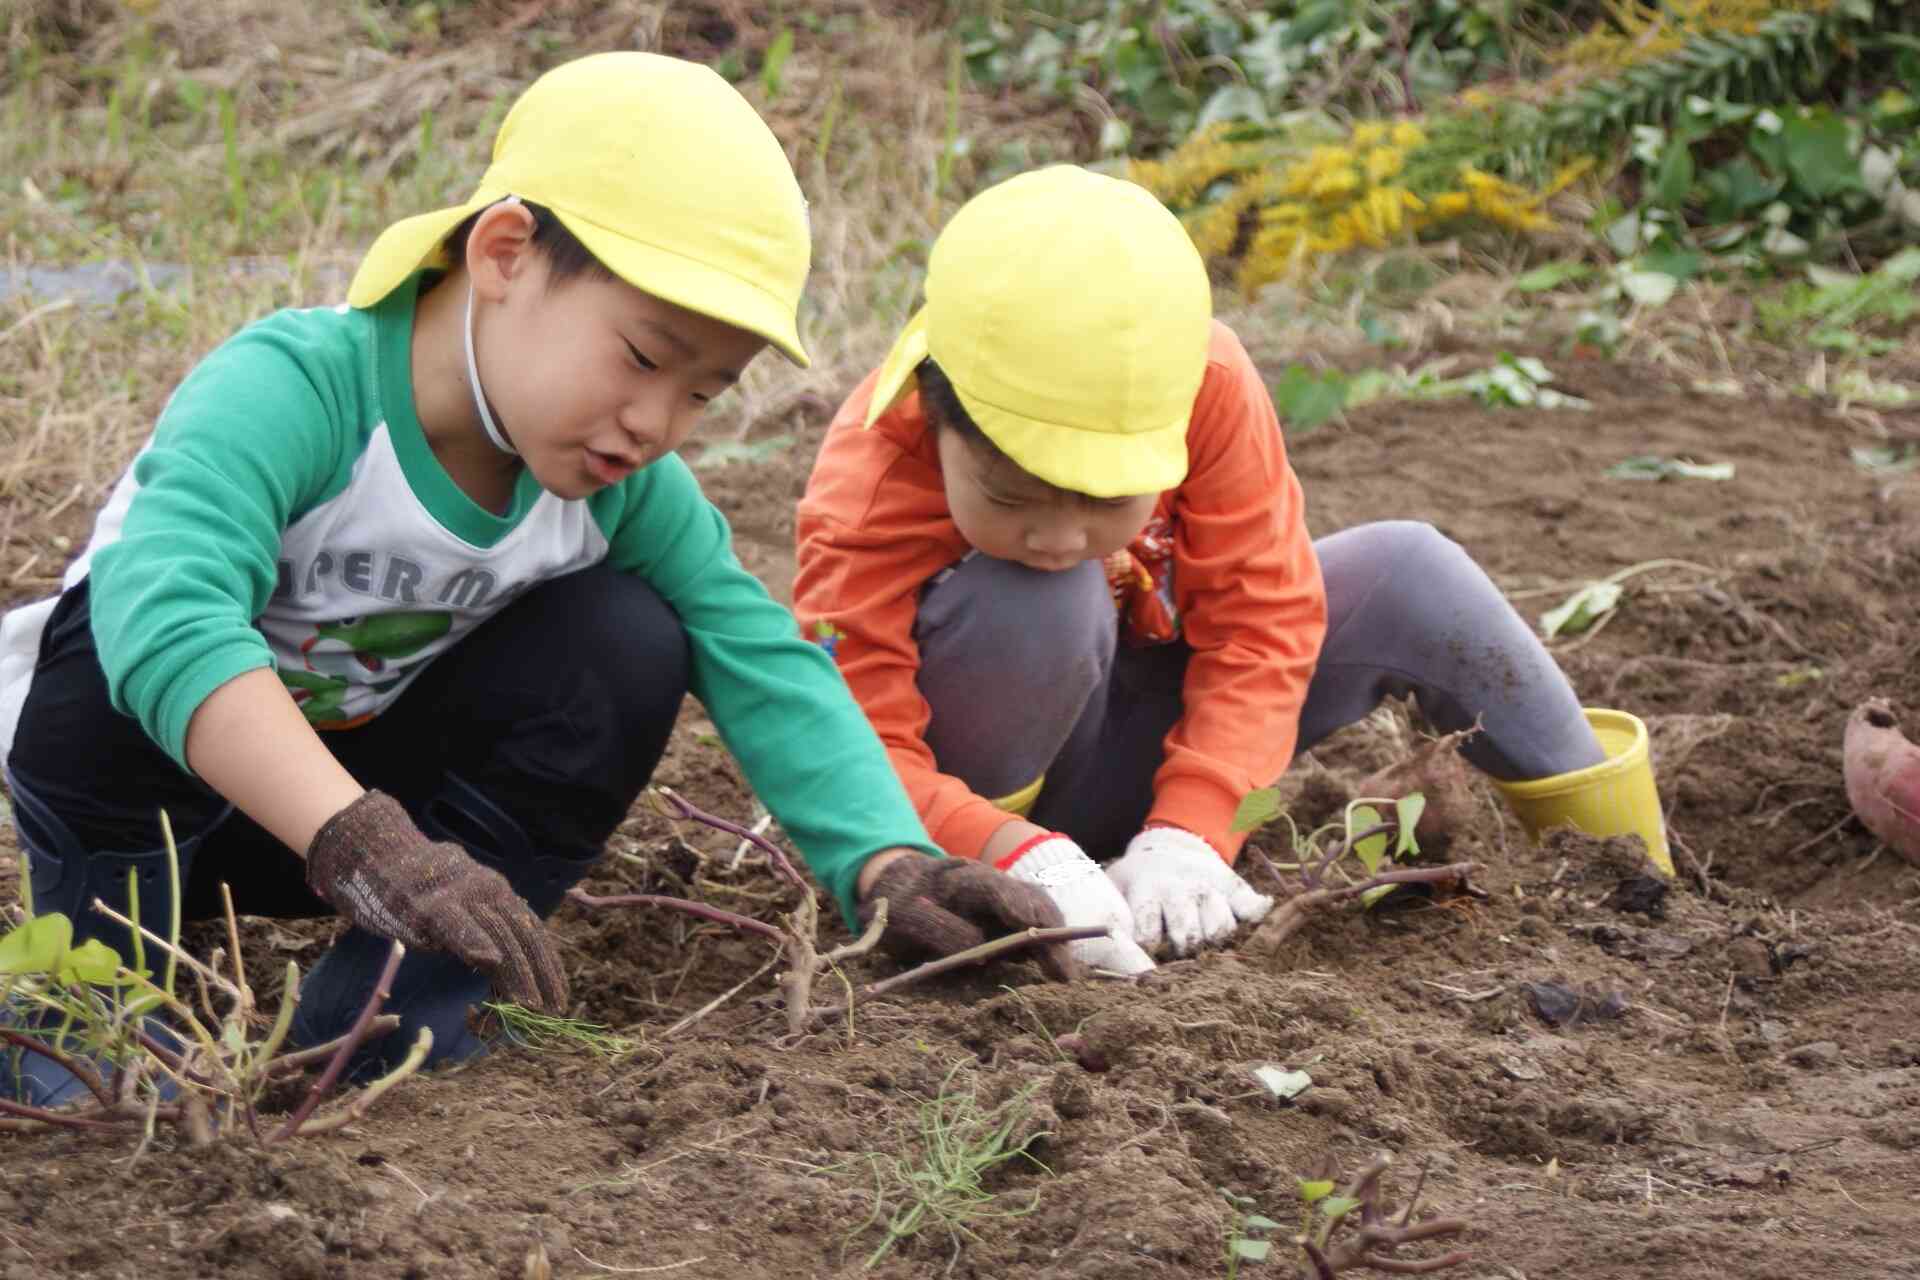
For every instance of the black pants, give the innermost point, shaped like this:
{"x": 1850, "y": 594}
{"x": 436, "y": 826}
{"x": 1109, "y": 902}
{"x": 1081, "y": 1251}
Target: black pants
{"x": 557, "y": 710}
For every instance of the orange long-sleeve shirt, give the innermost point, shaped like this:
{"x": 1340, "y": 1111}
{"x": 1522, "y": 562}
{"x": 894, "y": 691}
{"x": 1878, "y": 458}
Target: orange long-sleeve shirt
{"x": 873, "y": 527}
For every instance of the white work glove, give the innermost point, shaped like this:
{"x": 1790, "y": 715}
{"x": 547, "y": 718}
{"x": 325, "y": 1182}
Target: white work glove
{"x": 1182, "y": 892}
{"x": 1057, "y": 866}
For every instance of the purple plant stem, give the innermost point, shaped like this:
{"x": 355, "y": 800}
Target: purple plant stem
{"x": 347, "y": 1046}
{"x": 779, "y": 859}
{"x": 1409, "y": 1267}
{"x": 84, "y": 1074}
{"x": 985, "y": 951}
{"x": 300, "y": 1059}
{"x": 720, "y": 916}
{"x": 1413, "y": 1201}
{"x": 1342, "y": 850}
{"x": 41, "y": 1115}
{"x": 169, "y": 1058}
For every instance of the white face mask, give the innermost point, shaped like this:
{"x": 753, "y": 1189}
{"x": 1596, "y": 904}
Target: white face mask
{"x": 494, "y": 433}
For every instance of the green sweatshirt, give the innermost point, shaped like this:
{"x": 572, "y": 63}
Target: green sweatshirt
{"x": 288, "y": 513}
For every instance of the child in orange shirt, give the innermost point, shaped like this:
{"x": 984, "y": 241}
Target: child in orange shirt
{"x": 1057, "y": 551}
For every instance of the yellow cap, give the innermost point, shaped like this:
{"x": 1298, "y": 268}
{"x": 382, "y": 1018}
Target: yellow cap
{"x": 1071, "y": 313}
{"x": 662, "y": 170}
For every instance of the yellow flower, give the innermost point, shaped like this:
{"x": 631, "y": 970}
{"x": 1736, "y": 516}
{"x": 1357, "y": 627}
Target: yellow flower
{"x": 1385, "y": 210}
{"x": 1274, "y": 253}
{"x": 1450, "y": 204}
{"x": 1215, "y": 229}
{"x": 1295, "y": 182}
{"x": 1384, "y": 163}
{"x": 1369, "y": 135}
{"x": 1284, "y": 215}
{"x": 1408, "y": 135}
{"x": 1191, "y": 168}
{"x": 1568, "y": 175}
{"x": 1336, "y": 183}
{"x": 1478, "y": 181}
{"x": 1327, "y": 159}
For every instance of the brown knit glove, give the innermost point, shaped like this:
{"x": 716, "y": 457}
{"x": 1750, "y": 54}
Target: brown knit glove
{"x": 376, "y": 866}
{"x": 938, "y": 906}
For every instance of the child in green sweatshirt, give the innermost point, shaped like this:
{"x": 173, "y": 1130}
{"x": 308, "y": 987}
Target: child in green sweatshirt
{"x": 395, "y": 611}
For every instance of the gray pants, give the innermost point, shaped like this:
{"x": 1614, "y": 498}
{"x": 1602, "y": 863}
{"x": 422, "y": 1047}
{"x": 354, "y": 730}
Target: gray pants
{"x": 1025, "y": 676}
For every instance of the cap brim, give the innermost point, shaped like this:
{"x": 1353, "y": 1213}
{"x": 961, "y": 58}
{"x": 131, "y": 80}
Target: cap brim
{"x": 406, "y": 246}
{"x": 1100, "y": 464}
{"x": 696, "y": 286}
{"x": 896, "y": 372}
{"x": 411, "y": 243}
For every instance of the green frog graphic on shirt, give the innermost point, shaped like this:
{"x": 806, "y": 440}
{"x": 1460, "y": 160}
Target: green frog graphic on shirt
{"x": 375, "y": 646}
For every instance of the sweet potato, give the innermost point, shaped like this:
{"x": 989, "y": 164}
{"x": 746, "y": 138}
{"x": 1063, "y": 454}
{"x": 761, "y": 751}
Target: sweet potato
{"x": 1882, "y": 770}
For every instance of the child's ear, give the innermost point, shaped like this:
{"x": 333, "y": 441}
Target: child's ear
{"x": 499, "y": 248}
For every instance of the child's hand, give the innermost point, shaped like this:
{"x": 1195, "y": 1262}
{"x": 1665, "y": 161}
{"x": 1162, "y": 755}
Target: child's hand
{"x": 939, "y": 906}
{"x": 1085, "y": 895}
{"x": 371, "y": 862}
{"x": 1180, "y": 891}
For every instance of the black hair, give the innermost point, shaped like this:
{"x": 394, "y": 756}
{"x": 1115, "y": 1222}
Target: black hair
{"x": 943, "y": 407}
{"x": 566, "y": 257}
{"x": 941, "y": 403}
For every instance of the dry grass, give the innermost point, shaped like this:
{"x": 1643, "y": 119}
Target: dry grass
{"x": 262, "y": 146}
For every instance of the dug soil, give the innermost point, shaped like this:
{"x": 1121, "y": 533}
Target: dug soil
{"x": 1736, "y": 1092}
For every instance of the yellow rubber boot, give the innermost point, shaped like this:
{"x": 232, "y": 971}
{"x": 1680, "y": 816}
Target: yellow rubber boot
{"x": 1022, "y": 801}
{"x": 1616, "y": 797}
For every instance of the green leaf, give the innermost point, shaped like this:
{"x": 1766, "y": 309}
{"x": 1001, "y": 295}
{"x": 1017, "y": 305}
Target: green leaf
{"x": 1369, "y": 385}
{"x": 1255, "y": 1222}
{"x": 1649, "y": 288}
{"x": 1673, "y": 179}
{"x": 1623, "y": 235}
{"x": 1737, "y": 188}
{"x": 1232, "y": 102}
{"x": 1257, "y": 809}
{"x": 38, "y": 946}
{"x": 1281, "y": 1083}
{"x": 1782, "y": 243}
{"x": 1681, "y": 264}
{"x": 1372, "y": 849}
{"x": 1881, "y": 459}
{"x": 1651, "y": 467}
{"x": 1381, "y": 333}
{"x": 1818, "y": 155}
{"x": 1252, "y": 1250}
{"x": 1371, "y": 896}
{"x": 1314, "y": 18}
{"x": 1338, "y": 1207}
{"x": 1895, "y": 109}
{"x": 234, "y": 1038}
{"x": 92, "y": 961}
{"x": 1307, "y": 399}
{"x": 1551, "y": 276}
{"x": 777, "y": 54}
{"x": 1407, "y": 813}
{"x": 1316, "y": 1191}
{"x": 1580, "y": 610}
{"x": 1528, "y": 365}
